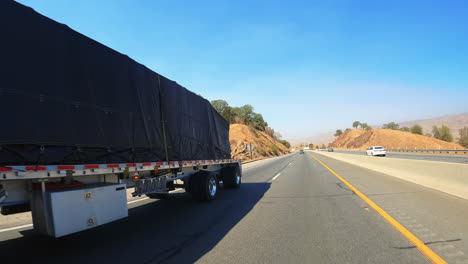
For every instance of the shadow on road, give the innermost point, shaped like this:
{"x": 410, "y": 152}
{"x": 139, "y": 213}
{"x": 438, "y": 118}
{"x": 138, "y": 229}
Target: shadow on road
{"x": 177, "y": 230}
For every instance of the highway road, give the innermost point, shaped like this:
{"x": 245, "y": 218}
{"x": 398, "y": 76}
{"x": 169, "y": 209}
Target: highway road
{"x": 418, "y": 156}
{"x": 290, "y": 209}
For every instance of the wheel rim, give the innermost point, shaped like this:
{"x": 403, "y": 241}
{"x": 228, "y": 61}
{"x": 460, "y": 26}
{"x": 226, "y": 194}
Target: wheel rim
{"x": 212, "y": 186}
{"x": 238, "y": 179}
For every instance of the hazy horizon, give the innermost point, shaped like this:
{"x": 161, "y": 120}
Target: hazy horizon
{"x": 307, "y": 67}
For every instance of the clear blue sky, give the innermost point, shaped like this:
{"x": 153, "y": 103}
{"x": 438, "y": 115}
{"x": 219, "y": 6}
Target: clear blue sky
{"x": 307, "y": 66}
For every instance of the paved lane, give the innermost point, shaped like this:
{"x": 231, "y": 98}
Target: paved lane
{"x": 289, "y": 210}
{"x": 437, "y": 218}
{"x": 431, "y": 157}
{"x": 308, "y": 216}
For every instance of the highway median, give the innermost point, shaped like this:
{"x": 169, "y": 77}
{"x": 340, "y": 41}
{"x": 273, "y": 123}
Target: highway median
{"x": 446, "y": 177}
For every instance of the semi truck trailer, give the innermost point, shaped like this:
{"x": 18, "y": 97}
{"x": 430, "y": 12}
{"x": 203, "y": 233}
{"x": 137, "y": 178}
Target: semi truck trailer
{"x": 83, "y": 123}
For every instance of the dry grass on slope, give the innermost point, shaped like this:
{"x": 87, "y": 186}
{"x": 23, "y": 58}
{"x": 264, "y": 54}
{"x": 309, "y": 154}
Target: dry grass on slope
{"x": 360, "y": 139}
{"x": 265, "y": 146}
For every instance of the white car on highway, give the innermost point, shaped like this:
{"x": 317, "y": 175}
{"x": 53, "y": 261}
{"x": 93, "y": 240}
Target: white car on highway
{"x": 376, "y": 151}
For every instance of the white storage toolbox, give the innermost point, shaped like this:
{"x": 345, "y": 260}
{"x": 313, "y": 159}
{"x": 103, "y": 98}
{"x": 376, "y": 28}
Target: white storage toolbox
{"x": 68, "y": 211}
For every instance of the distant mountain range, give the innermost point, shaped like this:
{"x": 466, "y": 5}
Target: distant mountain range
{"x": 454, "y": 122}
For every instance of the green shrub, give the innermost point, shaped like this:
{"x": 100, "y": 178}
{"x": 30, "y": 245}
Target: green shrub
{"x": 274, "y": 149}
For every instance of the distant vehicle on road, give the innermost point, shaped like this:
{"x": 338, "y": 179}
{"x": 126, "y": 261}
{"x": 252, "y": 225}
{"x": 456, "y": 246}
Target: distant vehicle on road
{"x": 376, "y": 151}
{"x": 330, "y": 149}
{"x": 301, "y": 151}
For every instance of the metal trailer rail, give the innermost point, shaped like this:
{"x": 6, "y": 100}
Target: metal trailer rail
{"x": 54, "y": 171}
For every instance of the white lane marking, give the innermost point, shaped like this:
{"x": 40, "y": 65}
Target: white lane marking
{"x": 134, "y": 201}
{"x": 276, "y": 176}
{"x": 260, "y": 163}
{"x": 15, "y": 228}
{"x": 290, "y": 163}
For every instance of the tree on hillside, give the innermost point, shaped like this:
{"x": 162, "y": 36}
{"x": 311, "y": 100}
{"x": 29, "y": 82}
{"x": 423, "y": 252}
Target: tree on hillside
{"x": 417, "y": 129}
{"x": 391, "y": 125}
{"x": 428, "y": 135}
{"x": 347, "y": 129}
{"x": 445, "y": 133}
{"x": 246, "y": 114}
{"x": 285, "y": 143}
{"x": 463, "y": 137}
{"x": 258, "y": 122}
{"x": 270, "y": 131}
{"x": 241, "y": 115}
{"x": 435, "y": 132}
{"x": 338, "y": 133}
{"x": 223, "y": 108}
{"x": 311, "y": 146}
{"x": 323, "y": 146}
{"x": 442, "y": 133}
{"x": 405, "y": 129}
{"x": 365, "y": 126}
{"x": 356, "y": 124}
{"x": 277, "y": 136}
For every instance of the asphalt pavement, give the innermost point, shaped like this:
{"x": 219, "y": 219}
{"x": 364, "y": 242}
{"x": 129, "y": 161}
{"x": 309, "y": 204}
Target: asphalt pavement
{"x": 289, "y": 209}
{"x": 455, "y": 158}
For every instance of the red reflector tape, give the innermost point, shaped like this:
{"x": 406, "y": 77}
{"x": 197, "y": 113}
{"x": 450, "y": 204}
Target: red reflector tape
{"x": 189, "y": 161}
{"x": 66, "y": 167}
{"x": 171, "y": 162}
{"x": 147, "y": 164}
{"x": 131, "y": 165}
{"x": 5, "y": 169}
{"x": 93, "y": 166}
{"x": 159, "y": 163}
{"x": 112, "y": 165}
{"x": 35, "y": 168}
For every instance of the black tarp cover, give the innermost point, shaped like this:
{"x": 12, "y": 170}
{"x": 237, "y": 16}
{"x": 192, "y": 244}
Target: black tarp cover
{"x": 67, "y": 99}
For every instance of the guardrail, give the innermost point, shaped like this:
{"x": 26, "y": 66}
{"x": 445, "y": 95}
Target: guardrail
{"x": 448, "y": 151}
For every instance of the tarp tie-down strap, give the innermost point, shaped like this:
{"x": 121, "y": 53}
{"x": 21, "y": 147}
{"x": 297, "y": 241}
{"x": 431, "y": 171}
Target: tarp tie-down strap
{"x": 163, "y": 121}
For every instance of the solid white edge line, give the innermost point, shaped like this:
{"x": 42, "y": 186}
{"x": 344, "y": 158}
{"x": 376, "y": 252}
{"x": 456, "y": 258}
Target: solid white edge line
{"x": 15, "y": 228}
{"x": 289, "y": 163}
{"x": 138, "y": 200}
{"x": 276, "y": 176}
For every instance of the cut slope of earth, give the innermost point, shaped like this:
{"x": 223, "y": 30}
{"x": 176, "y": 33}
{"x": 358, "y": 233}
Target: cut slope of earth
{"x": 361, "y": 139}
{"x": 264, "y": 145}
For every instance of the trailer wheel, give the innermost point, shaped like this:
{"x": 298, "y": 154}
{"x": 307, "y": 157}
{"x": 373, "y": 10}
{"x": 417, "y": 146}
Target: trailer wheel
{"x": 231, "y": 177}
{"x": 204, "y": 186}
{"x": 160, "y": 196}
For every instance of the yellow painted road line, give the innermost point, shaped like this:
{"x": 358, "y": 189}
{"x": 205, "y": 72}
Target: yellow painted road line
{"x": 428, "y": 252}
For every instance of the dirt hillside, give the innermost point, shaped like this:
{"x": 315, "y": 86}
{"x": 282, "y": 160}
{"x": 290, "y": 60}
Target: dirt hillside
{"x": 264, "y": 146}
{"x": 361, "y": 139}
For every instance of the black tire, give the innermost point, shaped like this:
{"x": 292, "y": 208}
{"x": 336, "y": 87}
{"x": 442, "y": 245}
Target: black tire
{"x": 160, "y": 196}
{"x": 384, "y": 155}
{"x": 204, "y": 186}
{"x": 231, "y": 177}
